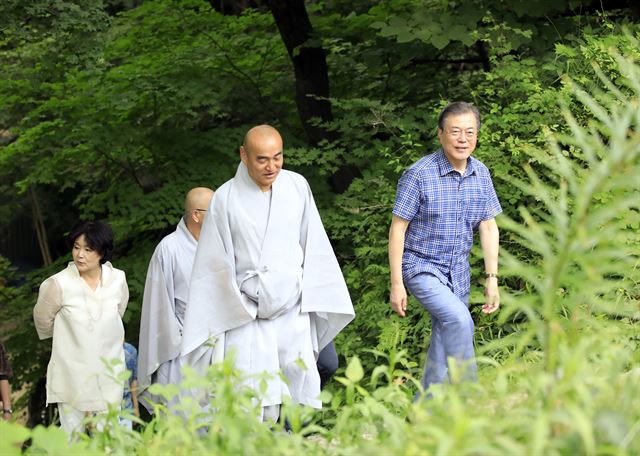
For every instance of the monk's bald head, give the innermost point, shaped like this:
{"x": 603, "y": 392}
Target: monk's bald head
{"x": 197, "y": 199}
{"x": 196, "y": 205}
{"x": 261, "y": 152}
{"x": 256, "y": 138}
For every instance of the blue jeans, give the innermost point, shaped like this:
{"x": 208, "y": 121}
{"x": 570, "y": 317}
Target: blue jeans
{"x": 451, "y": 329}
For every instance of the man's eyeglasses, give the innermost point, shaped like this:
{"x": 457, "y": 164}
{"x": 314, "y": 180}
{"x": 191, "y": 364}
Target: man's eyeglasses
{"x": 457, "y": 133}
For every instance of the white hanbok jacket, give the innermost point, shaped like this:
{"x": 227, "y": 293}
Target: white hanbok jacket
{"x": 87, "y": 356}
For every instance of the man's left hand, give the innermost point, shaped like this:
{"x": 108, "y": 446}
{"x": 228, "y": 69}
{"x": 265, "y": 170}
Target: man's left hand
{"x": 492, "y": 296}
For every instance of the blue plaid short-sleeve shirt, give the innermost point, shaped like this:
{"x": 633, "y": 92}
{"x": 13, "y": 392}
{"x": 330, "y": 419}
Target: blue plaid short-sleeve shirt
{"x": 443, "y": 209}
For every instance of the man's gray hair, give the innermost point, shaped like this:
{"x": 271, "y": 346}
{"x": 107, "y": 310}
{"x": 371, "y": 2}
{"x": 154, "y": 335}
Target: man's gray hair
{"x": 455, "y": 109}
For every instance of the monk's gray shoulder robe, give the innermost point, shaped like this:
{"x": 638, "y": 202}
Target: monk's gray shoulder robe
{"x": 163, "y": 307}
{"x": 266, "y": 279}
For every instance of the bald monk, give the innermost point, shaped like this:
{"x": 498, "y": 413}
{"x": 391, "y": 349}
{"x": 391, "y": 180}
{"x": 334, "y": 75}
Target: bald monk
{"x": 266, "y": 284}
{"x": 165, "y": 299}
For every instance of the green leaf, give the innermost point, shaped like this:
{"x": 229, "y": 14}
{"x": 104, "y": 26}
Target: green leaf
{"x": 440, "y": 41}
{"x": 354, "y": 370}
{"x": 52, "y": 439}
{"x": 13, "y": 435}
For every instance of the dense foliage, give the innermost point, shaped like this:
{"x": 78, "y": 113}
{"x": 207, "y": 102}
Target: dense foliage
{"x": 114, "y": 110}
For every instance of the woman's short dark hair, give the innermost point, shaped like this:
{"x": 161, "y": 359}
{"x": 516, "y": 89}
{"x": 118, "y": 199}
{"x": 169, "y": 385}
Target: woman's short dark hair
{"x": 455, "y": 109}
{"x": 98, "y": 236}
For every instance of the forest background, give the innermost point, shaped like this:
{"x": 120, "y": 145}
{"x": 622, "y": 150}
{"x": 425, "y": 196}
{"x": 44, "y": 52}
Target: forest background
{"x": 113, "y": 109}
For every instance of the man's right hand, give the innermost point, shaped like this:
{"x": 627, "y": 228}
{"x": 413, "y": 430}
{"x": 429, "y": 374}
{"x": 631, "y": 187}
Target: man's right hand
{"x": 399, "y": 299}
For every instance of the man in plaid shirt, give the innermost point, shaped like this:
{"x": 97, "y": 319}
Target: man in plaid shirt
{"x": 441, "y": 200}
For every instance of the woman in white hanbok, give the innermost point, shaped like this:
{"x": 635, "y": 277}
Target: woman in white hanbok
{"x": 81, "y": 308}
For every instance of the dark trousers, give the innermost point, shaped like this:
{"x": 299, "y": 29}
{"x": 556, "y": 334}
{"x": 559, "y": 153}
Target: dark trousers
{"x": 327, "y": 363}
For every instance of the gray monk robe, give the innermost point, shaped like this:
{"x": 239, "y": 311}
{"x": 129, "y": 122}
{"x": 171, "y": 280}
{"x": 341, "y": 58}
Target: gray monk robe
{"x": 163, "y": 306}
{"x": 266, "y": 284}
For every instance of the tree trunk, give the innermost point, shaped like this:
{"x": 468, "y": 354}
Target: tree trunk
{"x": 312, "y": 78}
{"x": 309, "y": 64}
{"x": 38, "y": 223}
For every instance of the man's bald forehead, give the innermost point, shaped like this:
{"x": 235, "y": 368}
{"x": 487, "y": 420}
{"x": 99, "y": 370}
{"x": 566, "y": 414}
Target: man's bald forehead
{"x": 259, "y": 133}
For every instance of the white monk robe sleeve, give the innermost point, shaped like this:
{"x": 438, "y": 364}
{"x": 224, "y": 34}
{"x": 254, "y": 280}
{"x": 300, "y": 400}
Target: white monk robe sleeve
{"x": 324, "y": 291}
{"x": 160, "y": 333}
{"x": 215, "y": 304}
